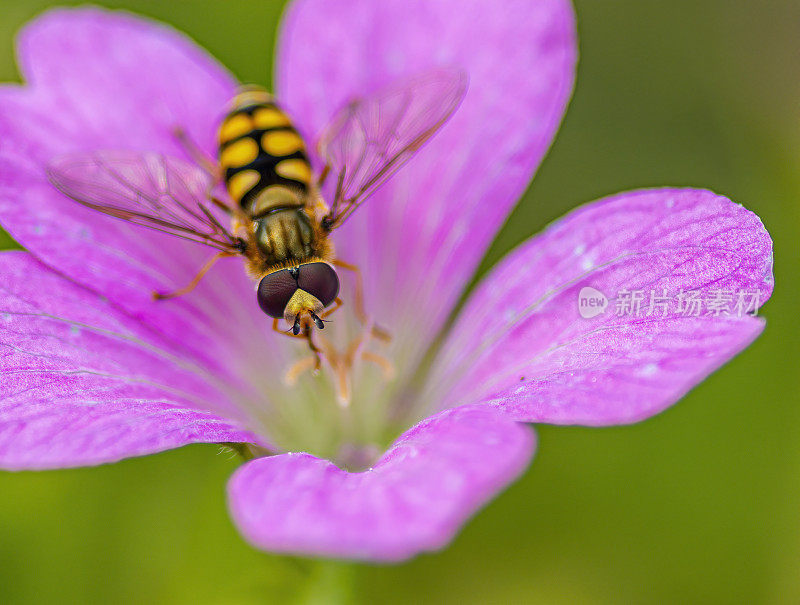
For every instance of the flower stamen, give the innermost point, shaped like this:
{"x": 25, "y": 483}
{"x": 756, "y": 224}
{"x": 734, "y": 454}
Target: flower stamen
{"x": 382, "y": 362}
{"x": 298, "y": 368}
{"x": 341, "y": 364}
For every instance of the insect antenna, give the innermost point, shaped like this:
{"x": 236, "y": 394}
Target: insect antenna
{"x": 317, "y": 321}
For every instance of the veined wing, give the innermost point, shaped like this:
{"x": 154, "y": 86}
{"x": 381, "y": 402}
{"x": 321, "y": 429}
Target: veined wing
{"x": 370, "y": 139}
{"x": 147, "y": 189}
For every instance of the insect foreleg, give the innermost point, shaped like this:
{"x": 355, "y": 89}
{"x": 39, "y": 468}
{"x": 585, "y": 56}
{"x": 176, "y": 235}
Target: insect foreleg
{"x": 358, "y": 297}
{"x": 337, "y": 304}
{"x": 314, "y": 350}
{"x": 306, "y": 335}
{"x": 191, "y": 285}
{"x": 275, "y": 328}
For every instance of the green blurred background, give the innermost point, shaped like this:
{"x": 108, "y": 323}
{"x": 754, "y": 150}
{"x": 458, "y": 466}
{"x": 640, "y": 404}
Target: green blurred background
{"x": 698, "y": 505}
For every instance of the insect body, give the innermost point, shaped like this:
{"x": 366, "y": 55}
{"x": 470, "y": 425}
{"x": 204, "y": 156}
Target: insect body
{"x": 278, "y": 220}
{"x": 267, "y": 173}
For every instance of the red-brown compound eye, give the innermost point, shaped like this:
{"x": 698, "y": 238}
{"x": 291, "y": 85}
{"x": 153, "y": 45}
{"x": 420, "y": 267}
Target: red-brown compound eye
{"x": 319, "y": 280}
{"x": 274, "y": 292}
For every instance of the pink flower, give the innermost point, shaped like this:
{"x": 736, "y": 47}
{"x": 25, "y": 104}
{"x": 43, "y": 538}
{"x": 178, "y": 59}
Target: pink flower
{"x": 93, "y": 370}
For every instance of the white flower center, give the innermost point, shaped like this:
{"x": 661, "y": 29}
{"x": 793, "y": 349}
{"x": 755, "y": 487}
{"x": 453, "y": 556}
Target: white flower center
{"x": 351, "y": 409}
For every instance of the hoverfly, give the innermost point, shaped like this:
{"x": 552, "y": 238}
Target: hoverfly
{"x": 279, "y": 221}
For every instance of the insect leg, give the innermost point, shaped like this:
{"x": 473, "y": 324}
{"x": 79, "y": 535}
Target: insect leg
{"x": 195, "y": 153}
{"x": 359, "y": 292}
{"x": 306, "y": 335}
{"x": 377, "y": 331}
{"x": 326, "y": 170}
{"x": 275, "y": 328}
{"x": 314, "y": 350}
{"x": 191, "y": 285}
{"x": 337, "y": 304}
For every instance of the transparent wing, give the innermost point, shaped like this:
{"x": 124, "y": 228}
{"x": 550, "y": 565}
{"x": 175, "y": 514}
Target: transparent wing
{"x": 370, "y": 139}
{"x": 147, "y": 189}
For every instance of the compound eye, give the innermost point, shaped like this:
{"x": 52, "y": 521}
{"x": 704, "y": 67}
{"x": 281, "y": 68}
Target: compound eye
{"x": 274, "y": 292}
{"x": 319, "y": 280}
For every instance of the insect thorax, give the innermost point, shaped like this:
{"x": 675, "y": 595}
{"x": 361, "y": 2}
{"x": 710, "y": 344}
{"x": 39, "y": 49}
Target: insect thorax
{"x": 285, "y": 236}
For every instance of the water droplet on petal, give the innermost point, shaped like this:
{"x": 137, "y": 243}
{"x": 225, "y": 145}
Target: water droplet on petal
{"x": 649, "y": 369}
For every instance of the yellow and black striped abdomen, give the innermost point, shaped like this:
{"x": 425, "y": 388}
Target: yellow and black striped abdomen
{"x": 259, "y": 148}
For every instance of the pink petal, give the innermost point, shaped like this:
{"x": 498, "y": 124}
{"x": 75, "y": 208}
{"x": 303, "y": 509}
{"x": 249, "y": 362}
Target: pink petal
{"x": 414, "y": 499}
{"x": 81, "y": 385}
{"x": 521, "y": 341}
{"x": 421, "y": 237}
